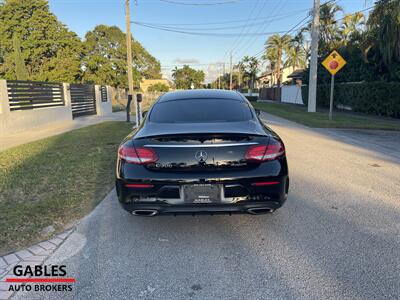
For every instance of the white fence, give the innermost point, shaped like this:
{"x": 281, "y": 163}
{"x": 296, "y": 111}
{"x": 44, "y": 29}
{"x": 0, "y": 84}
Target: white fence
{"x": 29, "y": 113}
{"x": 291, "y": 94}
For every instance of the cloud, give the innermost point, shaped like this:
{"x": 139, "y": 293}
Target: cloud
{"x": 213, "y": 71}
{"x": 186, "y": 61}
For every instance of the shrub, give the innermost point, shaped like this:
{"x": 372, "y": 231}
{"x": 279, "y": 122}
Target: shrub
{"x": 158, "y": 87}
{"x": 379, "y": 98}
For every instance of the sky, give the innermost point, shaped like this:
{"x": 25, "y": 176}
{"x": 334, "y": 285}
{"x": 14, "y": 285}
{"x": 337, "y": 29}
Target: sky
{"x": 201, "y": 52}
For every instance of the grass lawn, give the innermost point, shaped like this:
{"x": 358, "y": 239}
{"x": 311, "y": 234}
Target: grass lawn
{"x": 299, "y": 114}
{"x": 55, "y": 181}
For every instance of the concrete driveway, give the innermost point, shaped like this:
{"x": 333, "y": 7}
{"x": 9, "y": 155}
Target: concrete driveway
{"x": 338, "y": 236}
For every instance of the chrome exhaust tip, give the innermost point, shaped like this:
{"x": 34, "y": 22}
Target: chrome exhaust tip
{"x": 260, "y": 210}
{"x": 145, "y": 212}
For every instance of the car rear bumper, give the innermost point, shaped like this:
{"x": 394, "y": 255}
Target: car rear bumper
{"x": 161, "y": 209}
{"x": 237, "y": 196}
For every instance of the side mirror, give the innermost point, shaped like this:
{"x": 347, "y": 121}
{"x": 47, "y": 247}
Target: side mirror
{"x": 258, "y": 112}
{"x": 144, "y": 114}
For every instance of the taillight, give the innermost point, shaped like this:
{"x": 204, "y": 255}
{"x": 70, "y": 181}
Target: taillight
{"x": 139, "y": 185}
{"x": 268, "y": 152}
{"x": 256, "y": 152}
{"x": 264, "y": 183}
{"x": 139, "y": 156}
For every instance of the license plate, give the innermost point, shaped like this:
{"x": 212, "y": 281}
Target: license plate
{"x": 202, "y": 193}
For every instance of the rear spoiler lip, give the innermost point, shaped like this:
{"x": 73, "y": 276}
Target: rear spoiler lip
{"x": 202, "y": 145}
{"x": 199, "y": 134}
{"x": 252, "y": 127}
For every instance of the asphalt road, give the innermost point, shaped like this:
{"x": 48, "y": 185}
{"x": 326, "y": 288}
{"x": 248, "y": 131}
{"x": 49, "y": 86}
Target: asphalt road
{"x": 338, "y": 235}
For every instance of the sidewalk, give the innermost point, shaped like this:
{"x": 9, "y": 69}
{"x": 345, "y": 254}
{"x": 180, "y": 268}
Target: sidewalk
{"x": 33, "y": 256}
{"x": 38, "y": 133}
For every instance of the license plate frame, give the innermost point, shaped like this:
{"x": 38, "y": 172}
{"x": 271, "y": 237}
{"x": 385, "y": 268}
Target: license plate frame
{"x": 206, "y": 193}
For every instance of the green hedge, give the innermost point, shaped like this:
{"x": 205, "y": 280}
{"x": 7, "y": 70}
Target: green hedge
{"x": 379, "y": 98}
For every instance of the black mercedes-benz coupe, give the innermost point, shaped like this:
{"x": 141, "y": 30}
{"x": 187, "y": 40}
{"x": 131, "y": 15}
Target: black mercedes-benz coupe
{"x": 202, "y": 151}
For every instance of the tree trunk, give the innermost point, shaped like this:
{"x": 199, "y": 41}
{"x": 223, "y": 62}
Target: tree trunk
{"x": 278, "y": 67}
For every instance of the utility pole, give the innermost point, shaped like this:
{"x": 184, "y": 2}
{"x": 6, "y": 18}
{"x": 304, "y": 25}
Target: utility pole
{"x": 312, "y": 86}
{"x": 230, "y": 72}
{"x": 129, "y": 54}
{"x": 239, "y": 77}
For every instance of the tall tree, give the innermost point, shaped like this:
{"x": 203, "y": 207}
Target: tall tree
{"x": 105, "y": 58}
{"x": 186, "y": 76}
{"x": 51, "y": 51}
{"x": 20, "y": 69}
{"x": 295, "y": 58}
{"x": 239, "y": 67}
{"x": 352, "y": 26}
{"x": 384, "y": 25}
{"x": 275, "y": 47}
{"x": 251, "y": 67}
{"x": 329, "y": 28}
{"x": 296, "y": 53}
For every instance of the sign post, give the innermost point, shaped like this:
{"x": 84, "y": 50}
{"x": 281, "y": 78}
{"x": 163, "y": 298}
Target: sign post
{"x": 138, "y": 109}
{"x": 333, "y": 63}
{"x": 128, "y": 108}
{"x": 331, "y": 98}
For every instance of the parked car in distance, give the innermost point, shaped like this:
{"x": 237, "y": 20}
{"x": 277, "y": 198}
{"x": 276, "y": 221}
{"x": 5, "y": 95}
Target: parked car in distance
{"x": 202, "y": 151}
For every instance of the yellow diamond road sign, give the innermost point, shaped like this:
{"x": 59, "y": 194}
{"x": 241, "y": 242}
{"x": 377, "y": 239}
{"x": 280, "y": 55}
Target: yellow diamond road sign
{"x": 334, "y": 62}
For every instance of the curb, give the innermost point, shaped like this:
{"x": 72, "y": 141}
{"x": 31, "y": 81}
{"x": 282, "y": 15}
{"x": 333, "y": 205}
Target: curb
{"x": 32, "y": 256}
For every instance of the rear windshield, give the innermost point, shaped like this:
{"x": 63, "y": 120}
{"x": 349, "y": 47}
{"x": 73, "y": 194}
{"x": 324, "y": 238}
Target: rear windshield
{"x": 200, "y": 111}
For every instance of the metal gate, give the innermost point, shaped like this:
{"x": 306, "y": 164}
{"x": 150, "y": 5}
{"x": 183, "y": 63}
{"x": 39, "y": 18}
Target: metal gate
{"x": 34, "y": 94}
{"x": 270, "y": 94}
{"x": 83, "y": 100}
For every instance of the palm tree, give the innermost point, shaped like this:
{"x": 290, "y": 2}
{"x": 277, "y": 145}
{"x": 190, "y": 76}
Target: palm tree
{"x": 299, "y": 41}
{"x": 271, "y": 57}
{"x": 296, "y": 54}
{"x": 329, "y": 29}
{"x": 295, "y": 58}
{"x": 352, "y": 26}
{"x": 275, "y": 47}
{"x": 251, "y": 67}
{"x": 240, "y": 69}
{"x": 384, "y": 24}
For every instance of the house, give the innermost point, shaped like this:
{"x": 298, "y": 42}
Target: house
{"x": 146, "y": 83}
{"x": 268, "y": 79}
{"x": 296, "y": 77}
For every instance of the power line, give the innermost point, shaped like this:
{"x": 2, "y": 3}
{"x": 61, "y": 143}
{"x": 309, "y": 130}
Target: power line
{"x": 199, "y": 4}
{"x": 217, "y": 64}
{"x": 363, "y": 10}
{"x": 300, "y": 23}
{"x": 226, "y": 35}
{"x": 243, "y": 29}
{"x": 277, "y": 17}
{"x": 199, "y": 29}
{"x": 239, "y": 44}
{"x": 189, "y": 64}
{"x": 295, "y": 25}
{"x": 251, "y": 43}
{"x": 266, "y": 21}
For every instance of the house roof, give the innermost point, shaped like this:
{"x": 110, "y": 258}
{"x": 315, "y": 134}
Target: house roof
{"x": 296, "y": 74}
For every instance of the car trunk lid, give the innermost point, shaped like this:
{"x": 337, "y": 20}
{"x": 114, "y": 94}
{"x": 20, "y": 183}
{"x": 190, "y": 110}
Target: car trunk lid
{"x": 200, "y": 152}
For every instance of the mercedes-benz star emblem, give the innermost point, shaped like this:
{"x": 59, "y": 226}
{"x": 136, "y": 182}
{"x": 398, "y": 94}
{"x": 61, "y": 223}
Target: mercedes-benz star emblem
{"x": 201, "y": 156}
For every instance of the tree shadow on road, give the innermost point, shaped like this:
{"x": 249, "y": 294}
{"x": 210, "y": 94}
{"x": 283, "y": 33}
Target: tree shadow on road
{"x": 305, "y": 250}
